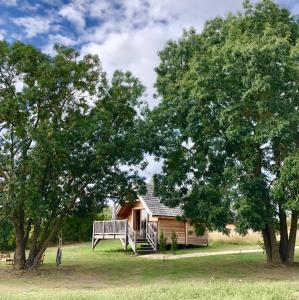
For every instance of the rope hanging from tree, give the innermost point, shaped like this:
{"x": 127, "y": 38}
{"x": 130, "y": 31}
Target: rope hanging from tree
{"x": 59, "y": 250}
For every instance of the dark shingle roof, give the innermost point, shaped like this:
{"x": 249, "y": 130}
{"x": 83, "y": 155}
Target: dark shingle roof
{"x": 156, "y": 207}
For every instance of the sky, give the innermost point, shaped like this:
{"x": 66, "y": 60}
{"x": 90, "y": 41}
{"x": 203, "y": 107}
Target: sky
{"x": 126, "y": 34}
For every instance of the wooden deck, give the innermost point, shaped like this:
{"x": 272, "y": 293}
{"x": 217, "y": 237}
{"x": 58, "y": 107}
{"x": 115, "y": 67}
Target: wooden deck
{"x": 122, "y": 230}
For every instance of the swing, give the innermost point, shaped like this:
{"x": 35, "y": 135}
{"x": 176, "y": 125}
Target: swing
{"x": 59, "y": 250}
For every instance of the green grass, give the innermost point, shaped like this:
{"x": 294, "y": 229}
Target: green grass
{"x": 110, "y": 273}
{"x": 209, "y": 290}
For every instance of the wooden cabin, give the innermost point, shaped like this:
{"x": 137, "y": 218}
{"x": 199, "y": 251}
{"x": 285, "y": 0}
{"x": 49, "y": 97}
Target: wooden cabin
{"x": 141, "y": 223}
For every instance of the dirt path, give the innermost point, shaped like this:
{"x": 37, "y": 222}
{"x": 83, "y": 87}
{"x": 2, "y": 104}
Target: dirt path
{"x": 198, "y": 254}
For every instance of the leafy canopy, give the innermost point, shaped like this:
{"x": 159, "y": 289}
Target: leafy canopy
{"x": 65, "y": 134}
{"x": 227, "y": 125}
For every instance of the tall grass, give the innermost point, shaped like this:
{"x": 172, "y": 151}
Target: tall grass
{"x": 252, "y": 238}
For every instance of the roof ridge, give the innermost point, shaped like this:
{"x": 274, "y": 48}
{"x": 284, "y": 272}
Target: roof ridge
{"x": 158, "y": 208}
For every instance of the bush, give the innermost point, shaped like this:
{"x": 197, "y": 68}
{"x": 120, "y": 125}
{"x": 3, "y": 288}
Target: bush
{"x": 78, "y": 227}
{"x": 162, "y": 241}
{"x": 7, "y": 238}
{"x": 174, "y": 242}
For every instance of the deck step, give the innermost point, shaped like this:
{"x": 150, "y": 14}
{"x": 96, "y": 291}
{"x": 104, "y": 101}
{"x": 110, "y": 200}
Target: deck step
{"x": 141, "y": 241}
{"x": 146, "y": 245}
{"x": 146, "y": 248}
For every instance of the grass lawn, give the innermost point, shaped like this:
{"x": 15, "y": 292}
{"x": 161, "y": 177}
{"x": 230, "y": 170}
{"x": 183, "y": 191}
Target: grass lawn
{"x": 110, "y": 273}
{"x": 213, "y": 247}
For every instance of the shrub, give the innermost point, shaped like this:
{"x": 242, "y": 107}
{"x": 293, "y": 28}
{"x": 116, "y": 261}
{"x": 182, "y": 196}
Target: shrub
{"x": 162, "y": 241}
{"x": 174, "y": 242}
{"x": 7, "y": 238}
{"x": 78, "y": 227}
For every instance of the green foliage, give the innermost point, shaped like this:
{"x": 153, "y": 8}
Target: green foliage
{"x": 228, "y": 120}
{"x": 7, "y": 239}
{"x": 64, "y": 137}
{"x": 287, "y": 185}
{"x": 78, "y": 227}
{"x": 174, "y": 242}
{"x": 162, "y": 242}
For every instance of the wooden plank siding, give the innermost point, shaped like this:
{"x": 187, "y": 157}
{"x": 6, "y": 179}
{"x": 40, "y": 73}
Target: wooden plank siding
{"x": 185, "y": 232}
{"x": 168, "y": 225}
{"x": 129, "y": 216}
{"x": 193, "y": 239}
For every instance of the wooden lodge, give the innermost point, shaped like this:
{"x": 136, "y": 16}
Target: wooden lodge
{"x": 140, "y": 224}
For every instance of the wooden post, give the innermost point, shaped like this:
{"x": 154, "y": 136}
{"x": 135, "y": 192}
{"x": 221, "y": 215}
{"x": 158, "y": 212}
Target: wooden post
{"x": 135, "y": 243}
{"x": 186, "y": 233}
{"x": 92, "y": 240}
{"x": 114, "y": 229}
{"x": 126, "y": 235}
{"x": 103, "y": 230}
{"x": 157, "y": 236}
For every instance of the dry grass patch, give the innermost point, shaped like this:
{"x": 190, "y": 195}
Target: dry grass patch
{"x": 234, "y": 238}
{"x": 252, "y": 238}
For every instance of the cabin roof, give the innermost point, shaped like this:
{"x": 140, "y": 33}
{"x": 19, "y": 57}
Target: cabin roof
{"x": 155, "y": 206}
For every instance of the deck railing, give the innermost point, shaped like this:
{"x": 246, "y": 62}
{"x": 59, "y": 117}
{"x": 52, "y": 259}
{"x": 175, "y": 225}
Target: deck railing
{"x": 113, "y": 227}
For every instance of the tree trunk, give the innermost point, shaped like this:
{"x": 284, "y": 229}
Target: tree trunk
{"x": 267, "y": 245}
{"x": 33, "y": 246}
{"x": 19, "y": 257}
{"x": 283, "y": 228}
{"x": 43, "y": 244}
{"x": 271, "y": 247}
{"x": 292, "y": 238}
{"x": 274, "y": 246}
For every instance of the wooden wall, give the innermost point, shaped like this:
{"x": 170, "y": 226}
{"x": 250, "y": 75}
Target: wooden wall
{"x": 193, "y": 239}
{"x": 185, "y": 232}
{"x": 168, "y": 225}
{"x": 137, "y": 205}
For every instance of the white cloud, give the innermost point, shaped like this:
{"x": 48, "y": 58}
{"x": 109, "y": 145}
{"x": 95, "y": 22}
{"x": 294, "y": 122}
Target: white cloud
{"x": 130, "y": 38}
{"x": 136, "y": 52}
{"x": 58, "y": 39}
{"x": 62, "y": 39}
{"x": 153, "y": 167}
{"x": 74, "y": 13}
{"x": 8, "y": 2}
{"x": 33, "y": 25}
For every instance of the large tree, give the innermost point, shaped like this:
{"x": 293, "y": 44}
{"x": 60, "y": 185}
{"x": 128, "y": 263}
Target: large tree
{"x": 65, "y": 135}
{"x": 227, "y": 125}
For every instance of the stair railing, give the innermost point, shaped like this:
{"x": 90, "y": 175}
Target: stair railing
{"x": 132, "y": 237}
{"x": 151, "y": 235}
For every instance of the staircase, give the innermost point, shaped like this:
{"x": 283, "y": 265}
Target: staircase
{"x": 143, "y": 246}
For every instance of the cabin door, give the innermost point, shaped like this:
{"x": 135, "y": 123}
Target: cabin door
{"x": 143, "y": 220}
{"x": 140, "y": 219}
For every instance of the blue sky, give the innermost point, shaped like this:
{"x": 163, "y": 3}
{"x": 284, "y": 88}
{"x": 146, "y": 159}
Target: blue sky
{"x": 126, "y": 34}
